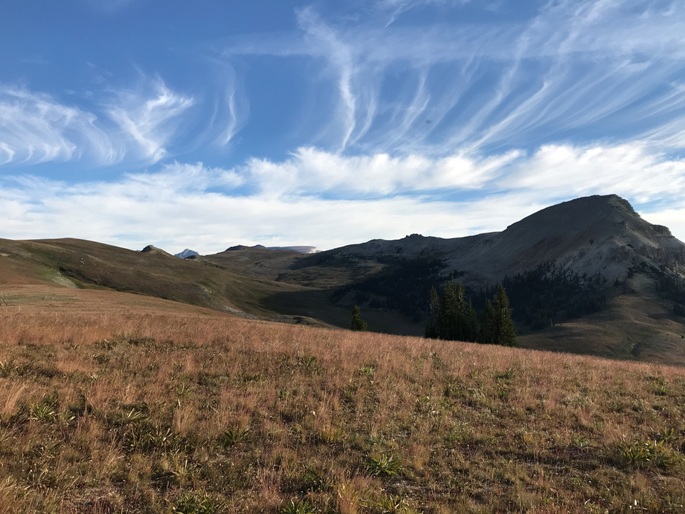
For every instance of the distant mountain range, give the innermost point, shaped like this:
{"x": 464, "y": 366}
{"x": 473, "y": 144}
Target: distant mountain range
{"x": 587, "y": 276}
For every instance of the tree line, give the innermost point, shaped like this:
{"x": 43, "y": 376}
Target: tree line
{"x": 453, "y": 317}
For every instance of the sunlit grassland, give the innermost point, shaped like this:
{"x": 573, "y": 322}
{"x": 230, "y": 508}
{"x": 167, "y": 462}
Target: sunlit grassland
{"x": 135, "y": 409}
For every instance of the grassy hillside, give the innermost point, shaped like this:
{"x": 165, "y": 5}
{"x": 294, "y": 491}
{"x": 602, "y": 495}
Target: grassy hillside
{"x": 120, "y": 403}
{"x": 87, "y": 264}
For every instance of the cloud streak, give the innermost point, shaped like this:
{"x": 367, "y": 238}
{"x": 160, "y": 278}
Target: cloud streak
{"x": 135, "y": 125}
{"x": 149, "y": 118}
{"x": 35, "y": 128}
{"x": 609, "y": 67}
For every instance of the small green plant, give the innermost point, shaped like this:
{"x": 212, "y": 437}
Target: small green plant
{"x": 298, "y": 507}
{"x": 307, "y": 360}
{"x": 505, "y": 375}
{"x": 503, "y": 394}
{"x": 307, "y": 480}
{"x": 667, "y": 435}
{"x": 389, "y": 504}
{"x": 660, "y": 385}
{"x": 581, "y": 443}
{"x": 454, "y": 388}
{"x": 309, "y": 363}
{"x": 384, "y": 465}
{"x": 147, "y": 437}
{"x": 645, "y": 454}
{"x": 42, "y": 412}
{"x": 367, "y": 370}
{"x": 197, "y": 503}
{"x": 661, "y": 390}
{"x": 233, "y": 436}
{"x": 183, "y": 389}
{"x": 129, "y": 417}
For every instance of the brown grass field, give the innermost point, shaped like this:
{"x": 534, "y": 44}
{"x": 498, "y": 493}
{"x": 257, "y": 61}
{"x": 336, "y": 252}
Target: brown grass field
{"x": 113, "y": 402}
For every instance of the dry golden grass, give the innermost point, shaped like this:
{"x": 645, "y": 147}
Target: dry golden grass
{"x": 119, "y": 403}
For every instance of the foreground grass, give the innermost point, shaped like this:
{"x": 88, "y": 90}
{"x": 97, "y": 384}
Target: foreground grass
{"x": 124, "y": 412}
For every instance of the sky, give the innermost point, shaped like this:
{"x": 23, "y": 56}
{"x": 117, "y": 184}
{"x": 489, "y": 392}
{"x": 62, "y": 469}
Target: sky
{"x": 208, "y": 124}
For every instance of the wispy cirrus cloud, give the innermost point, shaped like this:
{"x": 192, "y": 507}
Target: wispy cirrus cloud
{"x": 341, "y": 63}
{"x": 149, "y": 117}
{"x": 231, "y": 108}
{"x": 572, "y": 69}
{"x": 135, "y": 125}
{"x": 35, "y": 128}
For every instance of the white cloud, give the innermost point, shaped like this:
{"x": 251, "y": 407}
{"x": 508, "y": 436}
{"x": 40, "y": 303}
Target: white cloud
{"x": 324, "y": 199}
{"x": 445, "y": 129}
{"x": 231, "y": 107}
{"x": 630, "y": 170}
{"x": 313, "y": 171}
{"x": 136, "y": 211}
{"x": 673, "y": 218}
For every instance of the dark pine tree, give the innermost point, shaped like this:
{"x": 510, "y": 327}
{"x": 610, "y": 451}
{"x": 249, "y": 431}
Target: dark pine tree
{"x": 488, "y": 323}
{"x": 452, "y": 316}
{"x": 433, "y": 314}
{"x": 498, "y": 325}
{"x": 358, "y": 322}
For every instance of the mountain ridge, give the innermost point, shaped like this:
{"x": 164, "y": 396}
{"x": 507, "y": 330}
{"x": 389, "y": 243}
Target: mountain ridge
{"x": 537, "y": 238}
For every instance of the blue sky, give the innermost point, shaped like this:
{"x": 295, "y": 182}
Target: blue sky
{"x": 208, "y": 124}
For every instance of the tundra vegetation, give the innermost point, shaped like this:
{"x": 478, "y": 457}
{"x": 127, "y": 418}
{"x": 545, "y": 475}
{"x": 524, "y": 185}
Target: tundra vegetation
{"x": 142, "y": 409}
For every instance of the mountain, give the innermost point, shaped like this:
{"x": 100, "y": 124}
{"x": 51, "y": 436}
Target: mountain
{"x": 587, "y": 276}
{"x": 597, "y": 234}
{"x": 154, "y": 250}
{"x": 187, "y": 254}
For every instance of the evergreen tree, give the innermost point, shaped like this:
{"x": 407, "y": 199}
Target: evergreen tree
{"x": 434, "y": 313}
{"x": 488, "y": 323}
{"x": 498, "y": 325}
{"x": 470, "y": 323}
{"x": 507, "y": 329}
{"x": 450, "y": 311}
{"x": 452, "y": 316}
{"x": 358, "y": 322}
